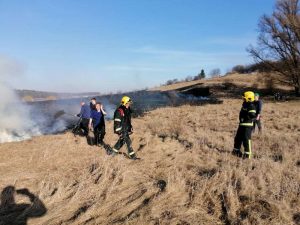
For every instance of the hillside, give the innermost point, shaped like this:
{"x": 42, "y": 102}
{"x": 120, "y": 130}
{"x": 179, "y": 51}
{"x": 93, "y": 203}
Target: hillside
{"x": 189, "y": 147}
{"x": 32, "y": 95}
{"x": 221, "y": 85}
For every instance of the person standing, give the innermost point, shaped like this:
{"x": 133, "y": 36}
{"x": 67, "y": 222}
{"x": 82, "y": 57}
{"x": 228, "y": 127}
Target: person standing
{"x": 102, "y": 123}
{"x": 243, "y": 134}
{"x": 123, "y": 127}
{"x": 258, "y": 105}
{"x": 96, "y": 125}
{"x": 85, "y": 114}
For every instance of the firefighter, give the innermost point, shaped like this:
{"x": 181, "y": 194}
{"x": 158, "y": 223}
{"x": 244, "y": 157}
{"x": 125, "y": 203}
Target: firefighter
{"x": 123, "y": 127}
{"x": 243, "y": 135}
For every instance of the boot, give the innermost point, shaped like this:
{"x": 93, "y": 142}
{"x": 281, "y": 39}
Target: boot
{"x": 246, "y": 155}
{"x": 237, "y": 152}
{"x": 133, "y": 156}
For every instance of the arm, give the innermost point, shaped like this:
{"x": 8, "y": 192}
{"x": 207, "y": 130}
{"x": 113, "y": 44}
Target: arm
{"x": 117, "y": 123}
{"x": 81, "y": 112}
{"x": 37, "y": 208}
{"x": 90, "y": 123}
{"x": 102, "y": 110}
{"x": 91, "y": 119}
{"x": 258, "y": 110}
{"x": 252, "y": 112}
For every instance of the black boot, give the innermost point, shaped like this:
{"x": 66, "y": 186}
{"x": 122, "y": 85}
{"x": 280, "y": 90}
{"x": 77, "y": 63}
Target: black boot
{"x": 237, "y": 152}
{"x": 133, "y": 156}
{"x": 246, "y": 155}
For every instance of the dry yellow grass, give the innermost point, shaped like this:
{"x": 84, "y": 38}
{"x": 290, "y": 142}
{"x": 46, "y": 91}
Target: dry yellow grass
{"x": 189, "y": 147}
{"x": 256, "y": 80}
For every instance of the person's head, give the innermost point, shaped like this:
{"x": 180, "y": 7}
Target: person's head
{"x": 7, "y": 195}
{"x": 98, "y": 106}
{"x": 248, "y": 96}
{"x": 93, "y": 101}
{"x": 126, "y": 101}
{"x": 256, "y": 96}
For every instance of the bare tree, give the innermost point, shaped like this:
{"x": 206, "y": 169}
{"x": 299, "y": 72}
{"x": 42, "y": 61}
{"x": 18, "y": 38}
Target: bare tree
{"x": 215, "y": 72}
{"x": 278, "y": 45}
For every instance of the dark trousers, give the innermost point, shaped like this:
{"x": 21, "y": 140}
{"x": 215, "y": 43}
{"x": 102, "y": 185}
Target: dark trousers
{"x": 258, "y": 124}
{"x": 243, "y": 136}
{"x": 124, "y": 139}
{"x": 99, "y": 132}
{"x": 84, "y": 125}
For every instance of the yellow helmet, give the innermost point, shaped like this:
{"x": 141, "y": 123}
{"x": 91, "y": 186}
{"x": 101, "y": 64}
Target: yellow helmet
{"x": 125, "y": 100}
{"x": 249, "y": 96}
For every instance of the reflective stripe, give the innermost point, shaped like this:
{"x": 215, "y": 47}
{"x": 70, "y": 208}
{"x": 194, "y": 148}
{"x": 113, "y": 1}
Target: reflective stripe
{"x": 254, "y": 111}
{"x": 131, "y": 153}
{"x": 118, "y": 129}
{"x": 246, "y": 124}
{"x": 115, "y": 150}
{"x": 250, "y": 149}
{"x": 118, "y": 120}
{"x": 236, "y": 149}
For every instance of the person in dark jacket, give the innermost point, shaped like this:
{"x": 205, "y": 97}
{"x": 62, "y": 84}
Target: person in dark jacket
{"x": 243, "y": 135}
{"x": 85, "y": 114}
{"x": 258, "y": 105}
{"x": 102, "y": 122}
{"x": 95, "y": 123}
{"x": 123, "y": 127}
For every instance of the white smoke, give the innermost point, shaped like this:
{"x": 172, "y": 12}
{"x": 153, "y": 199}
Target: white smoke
{"x": 15, "y": 122}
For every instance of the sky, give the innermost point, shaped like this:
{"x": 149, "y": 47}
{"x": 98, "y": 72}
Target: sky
{"x": 119, "y": 45}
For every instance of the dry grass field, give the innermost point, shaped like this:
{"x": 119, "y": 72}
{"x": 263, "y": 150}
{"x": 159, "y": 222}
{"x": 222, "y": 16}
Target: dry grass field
{"x": 254, "y": 80}
{"x": 189, "y": 147}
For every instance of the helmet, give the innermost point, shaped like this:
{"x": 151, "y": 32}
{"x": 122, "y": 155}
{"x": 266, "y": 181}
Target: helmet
{"x": 125, "y": 100}
{"x": 256, "y": 94}
{"x": 248, "y": 96}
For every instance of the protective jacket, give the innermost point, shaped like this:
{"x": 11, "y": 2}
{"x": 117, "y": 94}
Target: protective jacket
{"x": 122, "y": 120}
{"x": 247, "y": 114}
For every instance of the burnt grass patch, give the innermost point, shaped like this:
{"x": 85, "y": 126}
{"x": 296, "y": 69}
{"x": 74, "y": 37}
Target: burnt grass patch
{"x": 207, "y": 173}
{"x": 277, "y": 158}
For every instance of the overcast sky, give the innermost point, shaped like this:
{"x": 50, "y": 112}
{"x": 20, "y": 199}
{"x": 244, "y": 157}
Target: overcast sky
{"x": 117, "y": 45}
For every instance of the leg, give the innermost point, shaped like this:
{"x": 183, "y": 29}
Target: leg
{"x": 128, "y": 142}
{"x": 247, "y": 143}
{"x": 238, "y": 142}
{"x": 97, "y": 134}
{"x": 118, "y": 145}
{"x": 85, "y": 126}
{"x": 102, "y": 134}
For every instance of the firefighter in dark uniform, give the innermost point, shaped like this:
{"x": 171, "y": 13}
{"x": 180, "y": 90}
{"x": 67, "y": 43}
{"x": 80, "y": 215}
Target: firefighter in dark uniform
{"x": 123, "y": 127}
{"x": 243, "y": 135}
